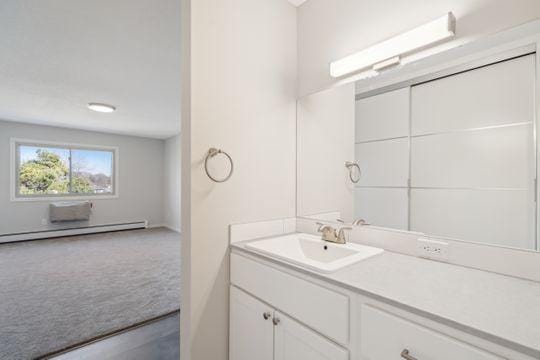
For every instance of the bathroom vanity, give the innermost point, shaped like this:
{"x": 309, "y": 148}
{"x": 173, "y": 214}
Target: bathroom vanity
{"x": 389, "y": 306}
{"x": 435, "y": 162}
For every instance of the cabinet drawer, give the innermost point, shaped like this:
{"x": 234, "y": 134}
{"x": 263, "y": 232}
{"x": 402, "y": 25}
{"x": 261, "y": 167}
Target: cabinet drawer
{"x": 384, "y": 336}
{"x": 323, "y": 310}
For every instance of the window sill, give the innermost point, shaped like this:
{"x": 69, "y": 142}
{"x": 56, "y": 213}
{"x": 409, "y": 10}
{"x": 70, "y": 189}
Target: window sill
{"x": 64, "y": 198}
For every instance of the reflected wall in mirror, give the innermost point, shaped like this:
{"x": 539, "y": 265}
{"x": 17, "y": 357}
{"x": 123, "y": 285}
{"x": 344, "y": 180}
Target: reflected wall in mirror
{"x": 325, "y": 142}
{"x": 453, "y": 156}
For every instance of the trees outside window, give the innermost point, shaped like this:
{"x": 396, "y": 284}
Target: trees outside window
{"x": 48, "y": 170}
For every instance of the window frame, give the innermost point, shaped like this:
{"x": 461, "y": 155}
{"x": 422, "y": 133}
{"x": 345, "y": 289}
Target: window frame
{"x": 15, "y": 144}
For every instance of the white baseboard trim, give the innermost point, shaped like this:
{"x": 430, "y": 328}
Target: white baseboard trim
{"x": 167, "y": 226}
{"x": 153, "y": 226}
{"x": 47, "y": 234}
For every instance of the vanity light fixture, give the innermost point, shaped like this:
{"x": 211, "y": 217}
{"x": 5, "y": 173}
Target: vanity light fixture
{"x": 103, "y": 108}
{"x": 388, "y": 53}
{"x": 387, "y": 64}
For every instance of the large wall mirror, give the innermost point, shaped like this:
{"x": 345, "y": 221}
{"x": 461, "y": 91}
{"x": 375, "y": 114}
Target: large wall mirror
{"x": 452, "y": 154}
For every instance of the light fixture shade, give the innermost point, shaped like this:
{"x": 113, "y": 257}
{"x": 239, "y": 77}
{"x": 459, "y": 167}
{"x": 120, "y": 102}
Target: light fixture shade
{"x": 434, "y": 31}
{"x": 103, "y": 108}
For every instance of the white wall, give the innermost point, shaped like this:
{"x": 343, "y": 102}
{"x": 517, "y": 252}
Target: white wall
{"x": 325, "y": 142}
{"x": 140, "y": 178}
{"x": 330, "y": 30}
{"x": 172, "y": 177}
{"x": 185, "y": 154}
{"x": 243, "y": 93}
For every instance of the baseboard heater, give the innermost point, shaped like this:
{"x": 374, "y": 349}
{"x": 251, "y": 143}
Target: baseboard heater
{"x": 53, "y": 233}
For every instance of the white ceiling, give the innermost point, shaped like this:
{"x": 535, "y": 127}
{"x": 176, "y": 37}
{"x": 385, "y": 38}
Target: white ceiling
{"x": 297, "y": 2}
{"x": 58, "y": 55}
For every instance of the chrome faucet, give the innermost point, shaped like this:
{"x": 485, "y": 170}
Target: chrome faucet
{"x": 328, "y": 233}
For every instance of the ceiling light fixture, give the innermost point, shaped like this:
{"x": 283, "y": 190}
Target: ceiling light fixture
{"x": 103, "y": 108}
{"x": 388, "y": 53}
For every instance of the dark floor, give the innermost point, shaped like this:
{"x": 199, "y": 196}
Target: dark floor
{"x": 158, "y": 340}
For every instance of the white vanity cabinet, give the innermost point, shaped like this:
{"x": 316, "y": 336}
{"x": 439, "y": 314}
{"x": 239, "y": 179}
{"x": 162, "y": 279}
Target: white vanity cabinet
{"x": 251, "y": 328}
{"x": 258, "y": 331}
{"x": 293, "y": 341}
{"x": 278, "y": 313}
{"x": 318, "y": 307}
{"x": 386, "y": 336}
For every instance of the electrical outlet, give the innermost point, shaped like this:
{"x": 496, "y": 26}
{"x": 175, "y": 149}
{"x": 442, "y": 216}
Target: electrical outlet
{"x": 432, "y": 249}
{"x": 44, "y": 222}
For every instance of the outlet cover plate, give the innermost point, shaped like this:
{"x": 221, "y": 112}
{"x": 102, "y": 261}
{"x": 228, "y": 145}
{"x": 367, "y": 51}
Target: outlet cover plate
{"x": 432, "y": 249}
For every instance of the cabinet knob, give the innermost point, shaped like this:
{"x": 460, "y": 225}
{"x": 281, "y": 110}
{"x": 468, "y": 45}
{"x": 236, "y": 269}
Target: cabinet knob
{"x": 406, "y": 356}
{"x": 267, "y": 315}
{"x": 276, "y": 320}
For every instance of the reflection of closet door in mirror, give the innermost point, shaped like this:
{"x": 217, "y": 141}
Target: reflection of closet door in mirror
{"x": 473, "y": 161}
{"x": 384, "y": 163}
{"x": 385, "y": 207}
{"x": 497, "y": 94}
{"x": 382, "y": 152}
{"x": 384, "y": 116}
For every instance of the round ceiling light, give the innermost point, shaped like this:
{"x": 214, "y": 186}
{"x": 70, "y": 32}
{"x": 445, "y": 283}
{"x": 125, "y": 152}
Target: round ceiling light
{"x": 103, "y": 108}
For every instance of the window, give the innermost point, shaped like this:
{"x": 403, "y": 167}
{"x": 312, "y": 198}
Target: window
{"x": 45, "y": 170}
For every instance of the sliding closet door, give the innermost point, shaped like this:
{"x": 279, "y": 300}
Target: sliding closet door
{"x": 473, "y": 163}
{"x": 382, "y": 152}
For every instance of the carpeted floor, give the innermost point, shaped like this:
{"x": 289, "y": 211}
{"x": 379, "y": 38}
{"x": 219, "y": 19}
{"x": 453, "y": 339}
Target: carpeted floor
{"x": 60, "y": 292}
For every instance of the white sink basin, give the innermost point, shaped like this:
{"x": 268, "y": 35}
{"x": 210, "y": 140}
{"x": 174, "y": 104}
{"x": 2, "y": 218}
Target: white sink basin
{"x": 311, "y": 252}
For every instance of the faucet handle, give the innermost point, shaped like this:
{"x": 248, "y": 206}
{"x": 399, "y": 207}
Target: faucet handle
{"x": 341, "y": 234}
{"x": 360, "y": 222}
{"x": 322, "y": 227}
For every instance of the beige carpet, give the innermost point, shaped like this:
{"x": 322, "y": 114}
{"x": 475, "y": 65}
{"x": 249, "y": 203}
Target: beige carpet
{"x": 59, "y": 292}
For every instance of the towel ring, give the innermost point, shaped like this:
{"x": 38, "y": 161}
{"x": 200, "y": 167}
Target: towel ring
{"x": 211, "y": 153}
{"x": 350, "y": 166}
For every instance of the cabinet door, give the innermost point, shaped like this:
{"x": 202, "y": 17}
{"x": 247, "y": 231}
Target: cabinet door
{"x": 251, "y": 328}
{"x": 297, "y": 342}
